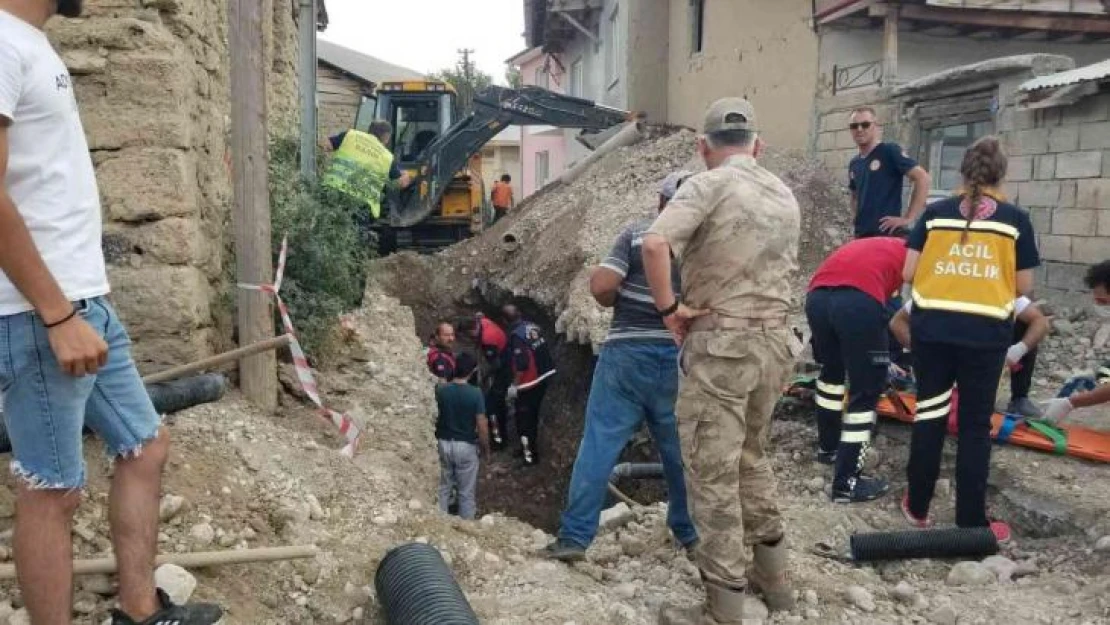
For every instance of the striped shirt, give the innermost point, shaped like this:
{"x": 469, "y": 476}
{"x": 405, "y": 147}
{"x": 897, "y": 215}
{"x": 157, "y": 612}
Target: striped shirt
{"x": 635, "y": 317}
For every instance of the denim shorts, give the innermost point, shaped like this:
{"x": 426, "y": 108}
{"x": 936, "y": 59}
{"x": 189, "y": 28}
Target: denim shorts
{"x": 46, "y": 409}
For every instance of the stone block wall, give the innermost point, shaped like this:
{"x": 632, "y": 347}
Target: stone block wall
{"x": 1060, "y": 171}
{"x": 833, "y": 142}
{"x": 152, "y": 85}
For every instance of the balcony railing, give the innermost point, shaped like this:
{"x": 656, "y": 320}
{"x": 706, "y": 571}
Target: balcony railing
{"x": 846, "y": 77}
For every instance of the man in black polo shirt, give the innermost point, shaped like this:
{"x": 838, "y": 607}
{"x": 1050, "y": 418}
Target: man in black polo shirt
{"x": 875, "y": 179}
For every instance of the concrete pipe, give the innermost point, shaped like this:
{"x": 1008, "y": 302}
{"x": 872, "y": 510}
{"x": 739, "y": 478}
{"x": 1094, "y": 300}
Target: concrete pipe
{"x": 630, "y": 134}
{"x": 637, "y": 471}
{"x": 510, "y": 242}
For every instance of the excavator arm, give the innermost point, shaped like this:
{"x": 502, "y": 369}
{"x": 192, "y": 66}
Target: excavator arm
{"x": 494, "y": 109}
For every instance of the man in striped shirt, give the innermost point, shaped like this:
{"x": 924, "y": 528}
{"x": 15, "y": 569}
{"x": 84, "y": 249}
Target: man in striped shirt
{"x": 636, "y": 379}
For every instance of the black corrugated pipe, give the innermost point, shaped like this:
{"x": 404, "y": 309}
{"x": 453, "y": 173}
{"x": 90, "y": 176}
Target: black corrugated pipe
{"x": 416, "y": 587}
{"x": 954, "y": 542}
{"x": 185, "y": 393}
{"x": 637, "y": 471}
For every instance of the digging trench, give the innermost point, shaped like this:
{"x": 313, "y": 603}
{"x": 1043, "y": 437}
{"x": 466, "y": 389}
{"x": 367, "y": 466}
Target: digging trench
{"x": 535, "y": 495}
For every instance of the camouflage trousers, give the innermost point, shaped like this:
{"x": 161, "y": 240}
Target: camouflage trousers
{"x": 730, "y": 384}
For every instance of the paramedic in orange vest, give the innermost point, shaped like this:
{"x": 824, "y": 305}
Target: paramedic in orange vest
{"x": 502, "y": 197}
{"x": 969, "y": 257}
{"x": 846, "y": 310}
{"x": 1098, "y": 279}
{"x": 497, "y": 376}
{"x": 441, "y": 358}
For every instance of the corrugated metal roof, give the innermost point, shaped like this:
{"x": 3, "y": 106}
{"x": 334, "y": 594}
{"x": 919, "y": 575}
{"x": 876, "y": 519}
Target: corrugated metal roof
{"x": 1087, "y": 73}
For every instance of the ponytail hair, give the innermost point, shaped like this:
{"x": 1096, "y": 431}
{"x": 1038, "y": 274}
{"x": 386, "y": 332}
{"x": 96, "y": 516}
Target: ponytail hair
{"x": 983, "y": 167}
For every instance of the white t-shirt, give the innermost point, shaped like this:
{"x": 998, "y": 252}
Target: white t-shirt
{"x": 50, "y": 174}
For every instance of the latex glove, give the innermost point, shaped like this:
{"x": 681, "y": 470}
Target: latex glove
{"x": 895, "y": 371}
{"x": 1014, "y": 355}
{"x": 511, "y": 394}
{"x": 1056, "y": 410}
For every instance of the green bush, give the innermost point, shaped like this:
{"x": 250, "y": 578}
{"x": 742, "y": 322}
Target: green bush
{"x": 325, "y": 271}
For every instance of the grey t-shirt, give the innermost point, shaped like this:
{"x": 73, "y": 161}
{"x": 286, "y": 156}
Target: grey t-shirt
{"x": 634, "y": 316}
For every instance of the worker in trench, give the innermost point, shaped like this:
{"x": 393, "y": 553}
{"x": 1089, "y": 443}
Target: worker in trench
{"x": 65, "y": 357}
{"x": 635, "y": 380}
{"x": 532, "y": 367}
{"x": 461, "y": 432}
{"x": 969, "y": 257}
{"x": 497, "y": 376}
{"x": 1098, "y": 393}
{"x": 440, "y": 355}
{"x": 735, "y": 231}
{"x": 847, "y": 314}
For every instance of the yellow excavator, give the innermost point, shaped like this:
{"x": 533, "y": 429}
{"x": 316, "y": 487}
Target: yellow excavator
{"x": 441, "y": 150}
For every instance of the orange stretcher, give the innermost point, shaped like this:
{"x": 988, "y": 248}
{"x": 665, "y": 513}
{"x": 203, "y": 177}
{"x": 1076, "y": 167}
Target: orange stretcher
{"x": 1071, "y": 440}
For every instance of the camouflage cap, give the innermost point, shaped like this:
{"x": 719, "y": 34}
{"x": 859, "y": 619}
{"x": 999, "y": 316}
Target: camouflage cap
{"x": 730, "y": 114}
{"x": 672, "y": 182}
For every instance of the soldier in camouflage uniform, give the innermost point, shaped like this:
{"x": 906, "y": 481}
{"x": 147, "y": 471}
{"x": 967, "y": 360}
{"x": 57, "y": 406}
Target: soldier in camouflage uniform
{"x": 735, "y": 229}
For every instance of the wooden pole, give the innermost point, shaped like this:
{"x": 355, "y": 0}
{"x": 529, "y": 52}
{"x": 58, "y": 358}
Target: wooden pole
{"x": 890, "y": 46}
{"x": 219, "y": 359}
{"x": 250, "y": 161}
{"x": 195, "y": 560}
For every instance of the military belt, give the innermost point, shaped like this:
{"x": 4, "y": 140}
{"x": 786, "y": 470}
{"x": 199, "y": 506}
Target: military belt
{"x": 714, "y": 321}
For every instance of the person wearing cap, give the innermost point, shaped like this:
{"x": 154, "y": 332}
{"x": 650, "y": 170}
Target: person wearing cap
{"x": 735, "y": 230}
{"x": 635, "y": 380}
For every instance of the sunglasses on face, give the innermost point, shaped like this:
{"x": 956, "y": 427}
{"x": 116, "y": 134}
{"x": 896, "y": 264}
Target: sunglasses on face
{"x": 858, "y": 125}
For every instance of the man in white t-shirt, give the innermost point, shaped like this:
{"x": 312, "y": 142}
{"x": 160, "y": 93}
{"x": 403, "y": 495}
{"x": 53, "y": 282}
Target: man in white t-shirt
{"x": 65, "y": 359}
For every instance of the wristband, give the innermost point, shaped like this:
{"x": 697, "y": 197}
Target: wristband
{"x": 71, "y": 315}
{"x": 669, "y": 310}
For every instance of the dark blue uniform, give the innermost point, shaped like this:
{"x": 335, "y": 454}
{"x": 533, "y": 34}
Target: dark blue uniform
{"x": 876, "y": 180}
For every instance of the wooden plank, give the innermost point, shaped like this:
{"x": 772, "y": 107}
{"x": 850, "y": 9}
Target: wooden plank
{"x": 251, "y": 214}
{"x": 836, "y": 10}
{"x": 999, "y": 19}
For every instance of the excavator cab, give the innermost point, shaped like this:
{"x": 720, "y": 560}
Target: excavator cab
{"x": 422, "y": 111}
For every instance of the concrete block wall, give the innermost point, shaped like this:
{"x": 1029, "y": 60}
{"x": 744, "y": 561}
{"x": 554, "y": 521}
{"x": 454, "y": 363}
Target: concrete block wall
{"x": 833, "y": 141}
{"x": 152, "y": 86}
{"x": 1060, "y": 172}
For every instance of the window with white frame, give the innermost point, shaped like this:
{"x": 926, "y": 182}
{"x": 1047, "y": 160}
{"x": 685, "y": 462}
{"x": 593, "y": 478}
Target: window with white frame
{"x": 613, "y": 48}
{"x": 577, "y": 88}
{"x": 543, "y": 169}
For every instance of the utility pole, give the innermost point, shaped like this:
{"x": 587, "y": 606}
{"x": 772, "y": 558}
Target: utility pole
{"x": 251, "y": 213}
{"x": 468, "y": 74}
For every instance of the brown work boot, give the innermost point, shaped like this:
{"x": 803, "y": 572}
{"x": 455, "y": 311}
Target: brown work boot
{"x": 767, "y": 576}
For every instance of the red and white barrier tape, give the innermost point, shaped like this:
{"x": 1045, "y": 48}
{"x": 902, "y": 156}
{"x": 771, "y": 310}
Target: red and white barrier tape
{"x": 347, "y": 426}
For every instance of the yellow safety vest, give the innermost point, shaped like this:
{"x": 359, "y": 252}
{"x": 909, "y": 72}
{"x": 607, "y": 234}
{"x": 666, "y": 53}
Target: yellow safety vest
{"x": 360, "y": 168}
{"x": 976, "y": 275}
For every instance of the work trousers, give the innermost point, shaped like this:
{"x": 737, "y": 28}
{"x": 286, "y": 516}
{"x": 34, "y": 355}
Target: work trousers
{"x": 849, "y": 339}
{"x": 1022, "y": 379}
{"x": 634, "y": 382}
{"x": 500, "y": 380}
{"x": 975, "y": 371}
{"x": 727, "y": 393}
{"x": 528, "y": 418}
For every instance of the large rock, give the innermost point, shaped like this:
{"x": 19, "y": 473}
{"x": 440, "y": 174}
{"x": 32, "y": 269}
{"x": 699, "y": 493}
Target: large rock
{"x": 178, "y": 583}
{"x": 161, "y": 301}
{"x": 172, "y": 241}
{"x": 970, "y": 574}
{"x": 156, "y": 354}
{"x": 149, "y": 184}
{"x": 616, "y": 516}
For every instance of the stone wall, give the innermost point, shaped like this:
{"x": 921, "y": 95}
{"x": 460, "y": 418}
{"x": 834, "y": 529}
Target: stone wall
{"x": 833, "y": 142}
{"x": 152, "y": 85}
{"x": 1060, "y": 171}
{"x": 338, "y": 97}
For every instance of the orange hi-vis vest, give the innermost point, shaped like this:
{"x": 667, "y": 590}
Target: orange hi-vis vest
{"x": 976, "y": 274}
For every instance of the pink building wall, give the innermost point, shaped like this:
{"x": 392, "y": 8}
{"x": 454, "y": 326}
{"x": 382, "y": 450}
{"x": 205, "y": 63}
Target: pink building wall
{"x": 538, "y": 139}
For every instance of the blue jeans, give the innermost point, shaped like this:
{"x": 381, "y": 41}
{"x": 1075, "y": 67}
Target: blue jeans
{"x": 633, "y": 381}
{"x": 45, "y": 409}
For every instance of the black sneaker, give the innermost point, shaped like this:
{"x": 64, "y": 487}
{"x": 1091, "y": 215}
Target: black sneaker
{"x": 826, "y": 457}
{"x": 564, "y": 551}
{"x": 170, "y": 614}
{"x": 864, "y": 489}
